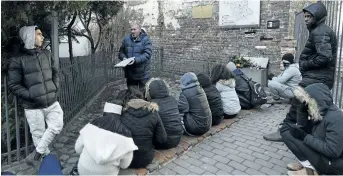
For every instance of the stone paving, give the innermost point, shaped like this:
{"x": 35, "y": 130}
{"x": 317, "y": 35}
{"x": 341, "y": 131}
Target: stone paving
{"x": 237, "y": 150}
{"x": 233, "y": 147}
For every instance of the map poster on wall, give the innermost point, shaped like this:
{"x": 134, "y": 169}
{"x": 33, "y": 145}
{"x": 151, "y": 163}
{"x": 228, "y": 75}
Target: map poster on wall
{"x": 239, "y": 13}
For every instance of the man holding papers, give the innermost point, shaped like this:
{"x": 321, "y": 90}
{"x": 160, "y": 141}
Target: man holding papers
{"x": 138, "y": 48}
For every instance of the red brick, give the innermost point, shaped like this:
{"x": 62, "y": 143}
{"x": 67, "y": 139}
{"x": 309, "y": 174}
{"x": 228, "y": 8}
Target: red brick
{"x": 178, "y": 150}
{"x": 190, "y": 140}
{"x": 142, "y": 171}
{"x": 159, "y": 157}
{"x": 168, "y": 153}
{"x": 184, "y": 145}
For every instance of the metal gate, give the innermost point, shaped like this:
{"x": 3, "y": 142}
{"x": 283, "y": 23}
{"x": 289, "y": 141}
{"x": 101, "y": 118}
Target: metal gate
{"x": 335, "y": 21}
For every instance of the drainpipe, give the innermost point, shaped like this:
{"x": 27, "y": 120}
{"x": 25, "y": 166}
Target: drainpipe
{"x": 54, "y": 37}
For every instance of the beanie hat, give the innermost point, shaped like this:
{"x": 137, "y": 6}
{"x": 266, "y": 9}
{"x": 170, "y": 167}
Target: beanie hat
{"x": 231, "y": 66}
{"x": 288, "y": 57}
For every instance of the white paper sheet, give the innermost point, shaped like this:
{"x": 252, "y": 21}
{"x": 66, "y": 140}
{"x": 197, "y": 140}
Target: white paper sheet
{"x": 124, "y": 62}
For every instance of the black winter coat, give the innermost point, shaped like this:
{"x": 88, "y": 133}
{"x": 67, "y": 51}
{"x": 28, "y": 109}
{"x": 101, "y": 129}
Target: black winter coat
{"x": 327, "y": 133}
{"x": 157, "y": 91}
{"x": 142, "y": 119}
{"x": 243, "y": 90}
{"x": 141, "y": 49}
{"x": 33, "y": 77}
{"x": 213, "y": 98}
{"x": 318, "y": 59}
{"x": 193, "y": 106}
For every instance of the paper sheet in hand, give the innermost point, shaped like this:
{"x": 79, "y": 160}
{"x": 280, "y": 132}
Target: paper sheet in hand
{"x": 124, "y": 62}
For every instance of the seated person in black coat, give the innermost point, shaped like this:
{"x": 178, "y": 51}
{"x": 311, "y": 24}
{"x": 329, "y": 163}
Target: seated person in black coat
{"x": 213, "y": 98}
{"x": 157, "y": 91}
{"x": 142, "y": 119}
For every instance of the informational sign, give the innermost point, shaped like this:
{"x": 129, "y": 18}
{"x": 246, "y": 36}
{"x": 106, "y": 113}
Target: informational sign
{"x": 239, "y": 13}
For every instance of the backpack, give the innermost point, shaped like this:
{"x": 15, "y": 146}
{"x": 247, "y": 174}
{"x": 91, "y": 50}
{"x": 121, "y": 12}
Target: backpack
{"x": 258, "y": 96}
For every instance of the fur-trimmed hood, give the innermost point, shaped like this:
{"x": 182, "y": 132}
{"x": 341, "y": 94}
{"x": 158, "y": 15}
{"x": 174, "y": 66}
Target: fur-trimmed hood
{"x": 140, "y": 108}
{"x": 156, "y": 88}
{"x": 318, "y": 98}
{"x": 230, "y": 82}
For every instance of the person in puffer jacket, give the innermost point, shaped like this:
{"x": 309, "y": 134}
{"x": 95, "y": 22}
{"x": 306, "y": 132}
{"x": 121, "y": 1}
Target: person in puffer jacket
{"x": 142, "y": 119}
{"x": 283, "y": 85}
{"x": 225, "y": 83}
{"x": 317, "y": 62}
{"x": 193, "y": 106}
{"x": 157, "y": 91}
{"x": 321, "y": 149}
{"x": 213, "y": 98}
{"x": 242, "y": 86}
{"x": 105, "y": 144}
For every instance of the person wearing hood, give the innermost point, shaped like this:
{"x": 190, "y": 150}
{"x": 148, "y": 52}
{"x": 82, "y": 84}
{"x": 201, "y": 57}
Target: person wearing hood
{"x": 282, "y": 86}
{"x": 142, "y": 119}
{"x": 33, "y": 76}
{"x": 317, "y": 62}
{"x": 105, "y": 144}
{"x": 242, "y": 86}
{"x": 213, "y": 98}
{"x": 137, "y": 45}
{"x": 157, "y": 91}
{"x": 193, "y": 106}
{"x": 225, "y": 83}
{"x": 320, "y": 150}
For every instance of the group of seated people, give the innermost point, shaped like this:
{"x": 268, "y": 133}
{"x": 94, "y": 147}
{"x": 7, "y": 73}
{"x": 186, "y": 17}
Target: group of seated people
{"x": 135, "y": 122}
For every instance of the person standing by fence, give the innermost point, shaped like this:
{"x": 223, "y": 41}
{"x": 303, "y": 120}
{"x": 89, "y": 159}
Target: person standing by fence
{"x": 317, "y": 63}
{"x": 33, "y": 78}
{"x": 137, "y": 45}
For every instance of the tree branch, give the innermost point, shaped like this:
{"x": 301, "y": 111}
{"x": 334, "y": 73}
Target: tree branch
{"x": 89, "y": 18}
{"x": 100, "y": 32}
{"x": 82, "y": 35}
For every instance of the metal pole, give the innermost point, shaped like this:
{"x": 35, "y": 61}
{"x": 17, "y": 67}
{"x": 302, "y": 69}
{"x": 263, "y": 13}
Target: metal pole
{"x": 54, "y": 37}
{"x": 17, "y": 127}
{"x": 338, "y": 72}
{"x": 8, "y": 135}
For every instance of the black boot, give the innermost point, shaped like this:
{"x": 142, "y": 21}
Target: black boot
{"x": 275, "y": 137}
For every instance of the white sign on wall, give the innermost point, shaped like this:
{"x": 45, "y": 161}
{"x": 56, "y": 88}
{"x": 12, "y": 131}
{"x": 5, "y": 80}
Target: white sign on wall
{"x": 239, "y": 13}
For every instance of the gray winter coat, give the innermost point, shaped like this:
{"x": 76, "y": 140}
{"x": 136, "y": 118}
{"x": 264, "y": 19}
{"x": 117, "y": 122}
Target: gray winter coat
{"x": 318, "y": 59}
{"x": 291, "y": 76}
{"x": 229, "y": 96}
{"x": 327, "y": 133}
{"x": 193, "y": 106}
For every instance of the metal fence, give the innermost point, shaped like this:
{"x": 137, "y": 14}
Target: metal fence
{"x": 335, "y": 21}
{"x": 79, "y": 82}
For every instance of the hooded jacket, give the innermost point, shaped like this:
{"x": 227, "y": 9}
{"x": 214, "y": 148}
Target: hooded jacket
{"x": 213, "y": 98}
{"x": 141, "y": 49}
{"x": 318, "y": 59}
{"x": 157, "y": 91}
{"x": 193, "y": 106}
{"x": 327, "y": 133}
{"x": 242, "y": 87}
{"x": 142, "y": 119}
{"x": 33, "y": 74}
{"x": 291, "y": 76}
{"x": 229, "y": 96}
{"x": 103, "y": 152}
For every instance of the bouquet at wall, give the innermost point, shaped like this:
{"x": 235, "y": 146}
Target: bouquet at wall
{"x": 240, "y": 62}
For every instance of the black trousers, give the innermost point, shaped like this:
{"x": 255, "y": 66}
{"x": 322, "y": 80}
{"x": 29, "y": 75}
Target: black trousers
{"x": 229, "y": 116}
{"x": 320, "y": 162}
{"x": 140, "y": 83}
{"x": 171, "y": 143}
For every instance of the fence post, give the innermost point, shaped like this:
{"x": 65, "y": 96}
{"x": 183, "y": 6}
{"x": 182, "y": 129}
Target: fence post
{"x": 106, "y": 70}
{"x": 8, "y": 135}
{"x": 161, "y": 61}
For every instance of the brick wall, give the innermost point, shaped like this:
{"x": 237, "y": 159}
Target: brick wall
{"x": 197, "y": 44}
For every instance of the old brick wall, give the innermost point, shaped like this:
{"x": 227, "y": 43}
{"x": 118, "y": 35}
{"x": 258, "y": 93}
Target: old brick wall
{"x": 197, "y": 44}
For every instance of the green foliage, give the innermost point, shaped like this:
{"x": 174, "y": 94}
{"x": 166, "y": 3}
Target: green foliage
{"x": 241, "y": 62}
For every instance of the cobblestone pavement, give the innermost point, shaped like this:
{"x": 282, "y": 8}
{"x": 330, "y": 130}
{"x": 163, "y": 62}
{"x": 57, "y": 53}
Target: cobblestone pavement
{"x": 237, "y": 150}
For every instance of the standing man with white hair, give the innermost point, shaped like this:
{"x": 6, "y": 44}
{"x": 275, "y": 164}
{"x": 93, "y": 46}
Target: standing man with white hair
{"x": 33, "y": 78}
{"x": 137, "y": 45}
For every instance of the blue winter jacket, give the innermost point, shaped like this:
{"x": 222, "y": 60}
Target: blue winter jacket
{"x": 141, "y": 49}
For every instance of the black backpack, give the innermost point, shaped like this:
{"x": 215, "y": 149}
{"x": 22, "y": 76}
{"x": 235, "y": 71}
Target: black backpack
{"x": 258, "y": 96}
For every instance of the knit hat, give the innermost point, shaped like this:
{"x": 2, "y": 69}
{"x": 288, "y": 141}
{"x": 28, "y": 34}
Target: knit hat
{"x": 231, "y": 66}
{"x": 288, "y": 57}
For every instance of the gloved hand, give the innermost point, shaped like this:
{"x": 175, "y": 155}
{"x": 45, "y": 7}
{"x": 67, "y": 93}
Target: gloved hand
{"x": 297, "y": 132}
